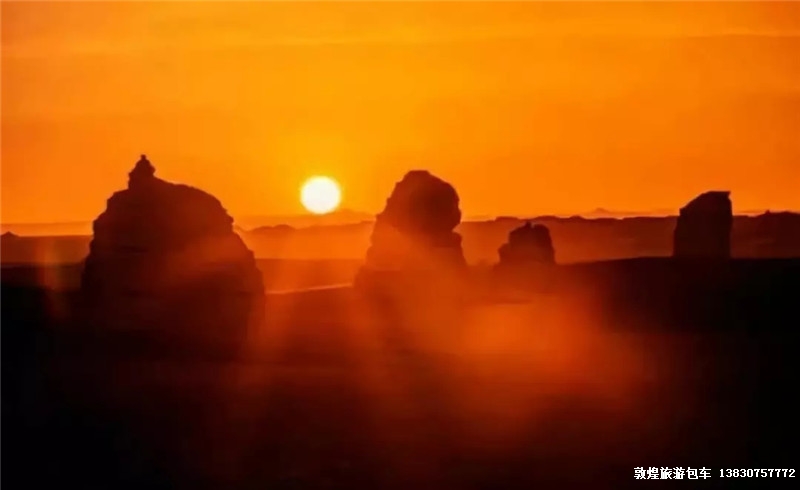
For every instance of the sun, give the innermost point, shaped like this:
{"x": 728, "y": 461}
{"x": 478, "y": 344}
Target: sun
{"x": 320, "y": 195}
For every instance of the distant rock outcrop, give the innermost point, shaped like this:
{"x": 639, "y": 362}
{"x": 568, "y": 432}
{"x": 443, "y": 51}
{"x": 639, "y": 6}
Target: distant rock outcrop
{"x": 526, "y": 259}
{"x": 703, "y": 229}
{"x": 528, "y": 244}
{"x": 414, "y": 234}
{"x": 165, "y": 260}
{"x": 771, "y": 235}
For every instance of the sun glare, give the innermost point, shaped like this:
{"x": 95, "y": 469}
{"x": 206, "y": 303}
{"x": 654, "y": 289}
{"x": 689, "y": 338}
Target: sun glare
{"x": 320, "y": 195}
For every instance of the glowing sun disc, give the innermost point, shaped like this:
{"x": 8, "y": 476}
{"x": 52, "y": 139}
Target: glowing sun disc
{"x": 320, "y": 195}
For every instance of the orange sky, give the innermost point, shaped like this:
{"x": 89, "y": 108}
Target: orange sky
{"x": 526, "y": 108}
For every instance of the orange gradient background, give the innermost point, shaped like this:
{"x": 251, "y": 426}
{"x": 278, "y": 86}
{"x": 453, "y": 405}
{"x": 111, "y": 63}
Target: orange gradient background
{"x": 526, "y": 108}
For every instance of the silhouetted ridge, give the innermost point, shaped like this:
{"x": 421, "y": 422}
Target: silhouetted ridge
{"x": 164, "y": 257}
{"x": 704, "y": 227}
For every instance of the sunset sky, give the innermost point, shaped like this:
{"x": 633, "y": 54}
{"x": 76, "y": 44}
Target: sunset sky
{"x": 526, "y": 108}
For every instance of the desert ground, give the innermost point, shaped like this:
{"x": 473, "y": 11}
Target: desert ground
{"x": 539, "y": 390}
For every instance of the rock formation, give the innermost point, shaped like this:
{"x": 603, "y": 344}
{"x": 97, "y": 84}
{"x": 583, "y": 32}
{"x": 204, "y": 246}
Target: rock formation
{"x": 526, "y": 259}
{"x": 528, "y": 244}
{"x": 414, "y": 233}
{"x": 773, "y": 234}
{"x": 703, "y": 229}
{"x": 165, "y": 260}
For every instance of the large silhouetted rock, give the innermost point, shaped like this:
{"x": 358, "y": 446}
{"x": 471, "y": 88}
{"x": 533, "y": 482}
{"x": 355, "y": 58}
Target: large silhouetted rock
{"x": 413, "y": 235}
{"x": 165, "y": 260}
{"x": 704, "y": 227}
{"x": 528, "y": 244}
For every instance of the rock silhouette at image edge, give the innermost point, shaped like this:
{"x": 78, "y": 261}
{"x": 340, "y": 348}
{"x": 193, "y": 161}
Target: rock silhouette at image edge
{"x": 164, "y": 260}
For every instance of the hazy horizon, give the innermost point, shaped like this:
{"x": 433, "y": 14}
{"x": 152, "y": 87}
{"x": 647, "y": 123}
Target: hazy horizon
{"x": 306, "y": 220}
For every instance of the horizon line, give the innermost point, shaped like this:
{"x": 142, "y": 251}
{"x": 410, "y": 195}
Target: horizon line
{"x": 476, "y": 217}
